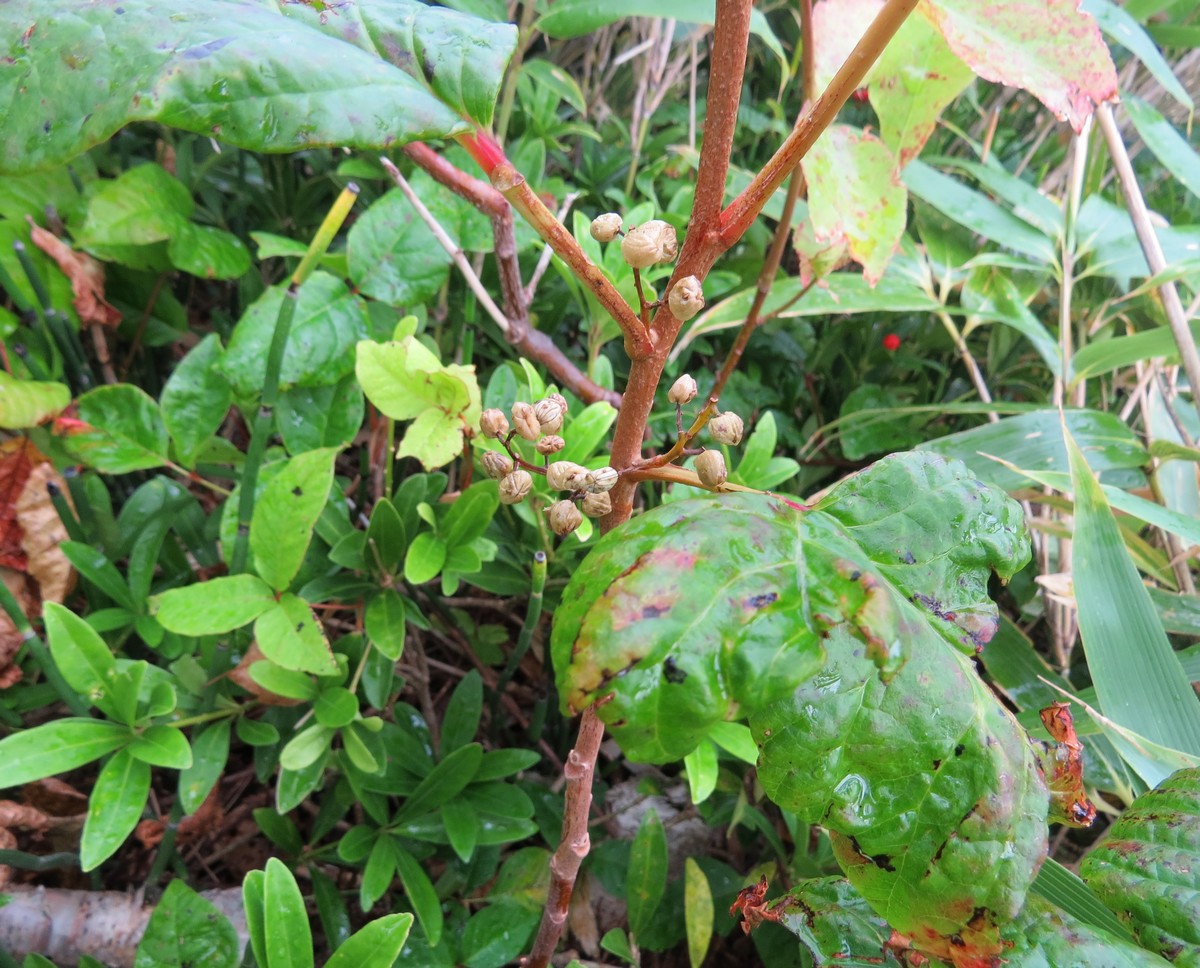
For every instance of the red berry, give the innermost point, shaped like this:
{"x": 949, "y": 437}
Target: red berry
{"x": 860, "y": 94}
{"x": 891, "y": 342}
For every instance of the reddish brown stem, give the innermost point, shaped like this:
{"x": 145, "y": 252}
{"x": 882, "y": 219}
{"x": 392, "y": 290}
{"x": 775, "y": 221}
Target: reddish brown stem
{"x": 575, "y": 843}
{"x": 744, "y": 209}
{"x": 529, "y": 342}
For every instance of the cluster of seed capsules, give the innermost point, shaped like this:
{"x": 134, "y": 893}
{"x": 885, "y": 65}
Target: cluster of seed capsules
{"x": 540, "y": 423}
{"x": 646, "y": 245}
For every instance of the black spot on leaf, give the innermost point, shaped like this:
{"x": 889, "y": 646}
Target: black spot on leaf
{"x": 672, "y": 673}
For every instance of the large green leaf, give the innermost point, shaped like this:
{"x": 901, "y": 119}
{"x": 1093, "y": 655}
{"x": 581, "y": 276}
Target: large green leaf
{"x": 376, "y": 945}
{"x": 114, "y": 808}
{"x": 286, "y": 513}
{"x": 220, "y": 605}
{"x": 1147, "y": 868}
{"x": 125, "y": 430}
{"x": 57, "y": 747}
{"x": 260, "y": 76}
{"x": 186, "y": 930}
{"x": 27, "y": 403}
{"x": 392, "y": 254}
{"x": 196, "y": 398}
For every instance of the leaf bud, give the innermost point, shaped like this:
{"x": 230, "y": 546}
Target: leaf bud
{"x": 526, "y": 421}
{"x": 496, "y": 465}
{"x": 565, "y": 517}
{"x": 597, "y": 505}
{"x": 648, "y": 243}
{"x": 600, "y": 480}
{"x": 515, "y": 486}
{"x": 565, "y": 475}
{"x": 606, "y": 227}
{"x": 550, "y": 444}
{"x": 726, "y": 428}
{"x": 493, "y": 423}
{"x": 683, "y": 390}
{"x": 549, "y": 415}
{"x": 686, "y": 298}
{"x": 710, "y": 468}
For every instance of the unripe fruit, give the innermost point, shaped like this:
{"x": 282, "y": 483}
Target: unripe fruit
{"x": 550, "y": 444}
{"x": 686, "y": 298}
{"x": 496, "y": 465}
{"x": 493, "y": 423}
{"x": 549, "y": 415}
{"x": 565, "y": 517}
{"x": 526, "y": 421}
{"x": 683, "y": 390}
{"x": 564, "y": 475}
{"x": 515, "y": 487}
{"x": 597, "y": 505}
{"x": 726, "y": 428}
{"x": 600, "y": 480}
{"x": 710, "y": 468}
{"x": 606, "y": 227}
{"x": 649, "y": 243}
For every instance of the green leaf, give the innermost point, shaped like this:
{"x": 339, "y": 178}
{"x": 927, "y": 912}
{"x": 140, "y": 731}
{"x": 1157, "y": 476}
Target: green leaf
{"x": 376, "y": 945}
{"x": 314, "y": 89}
{"x": 1051, "y": 50}
{"x": 377, "y": 872}
{"x": 210, "y": 752}
{"x": 384, "y": 623}
{"x": 162, "y": 746}
{"x": 185, "y": 930}
{"x": 125, "y": 430}
{"x": 306, "y": 747}
{"x": 425, "y": 558}
{"x": 587, "y": 431}
{"x": 146, "y": 204}
{"x": 1168, "y": 145}
{"x": 282, "y": 682}
{"x": 81, "y": 655}
{"x": 27, "y": 403}
{"x": 286, "y": 935}
{"x": 991, "y": 293}
{"x": 977, "y": 212}
{"x": 1123, "y": 29}
{"x": 212, "y": 607}
{"x": 854, "y": 194}
{"x": 329, "y": 319}
{"x": 470, "y": 515}
{"x": 289, "y": 636}
{"x": 444, "y": 782}
{"x": 1146, "y": 868}
{"x": 335, "y": 919}
{"x": 196, "y": 399}
{"x": 461, "y": 720}
{"x": 386, "y": 537}
{"x": 336, "y": 707}
{"x": 285, "y": 514}
{"x": 365, "y": 749}
{"x": 57, "y": 747}
{"x": 114, "y": 808}
{"x": 646, "y": 879}
{"x": 698, "y": 907}
{"x": 1142, "y": 688}
{"x": 253, "y": 890}
{"x": 701, "y": 766}
{"x": 96, "y": 568}
{"x": 208, "y": 252}
{"x": 462, "y": 827}
{"x": 420, "y": 893}
{"x": 1062, "y": 888}
{"x": 497, "y": 935}
{"x": 320, "y": 416}
{"x": 394, "y": 256}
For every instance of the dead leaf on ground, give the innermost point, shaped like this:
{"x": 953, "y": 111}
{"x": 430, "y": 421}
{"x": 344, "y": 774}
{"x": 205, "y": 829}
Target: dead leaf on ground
{"x": 44, "y": 534}
{"x": 11, "y": 639}
{"x": 86, "y": 275}
{"x": 241, "y": 676}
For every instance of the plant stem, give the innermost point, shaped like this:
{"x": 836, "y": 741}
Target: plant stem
{"x": 1152, "y": 249}
{"x": 270, "y": 391}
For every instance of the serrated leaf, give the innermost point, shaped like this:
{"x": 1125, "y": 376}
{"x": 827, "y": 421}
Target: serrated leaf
{"x": 285, "y": 514}
{"x": 186, "y": 930}
{"x": 1147, "y": 868}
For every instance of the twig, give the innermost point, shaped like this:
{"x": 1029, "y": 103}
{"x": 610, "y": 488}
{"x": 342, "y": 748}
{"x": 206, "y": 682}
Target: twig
{"x": 543, "y": 262}
{"x": 452, "y": 249}
{"x": 1152, "y": 249}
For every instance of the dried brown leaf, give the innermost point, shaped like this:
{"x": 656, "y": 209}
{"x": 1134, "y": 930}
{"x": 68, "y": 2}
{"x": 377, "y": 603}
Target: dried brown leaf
{"x": 85, "y": 273}
{"x": 241, "y": 676}
{"x": 44, "y": 533}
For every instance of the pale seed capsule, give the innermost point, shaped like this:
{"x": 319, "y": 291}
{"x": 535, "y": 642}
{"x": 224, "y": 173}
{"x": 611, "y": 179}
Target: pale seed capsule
{"x": 550, "y": 444}
{"x": 710, "y": 468}
{"x": 496, "y": 465}
{"x": 526, "y": 421}
{"x": 493, "y": 423}
{"x": 600, "y": 480}
{"x": 686, "y": 298}
{"x": 683, "y": 390}
{"x": 549, "y": 415}
{"x": 565, "y": 517}
{"x": 597, "y": 505}
{"x": 565, "y": 475}
{"x": 559, "y": 399}
{"x": 606, "y": 227}
{"x": 648, "y": 243}
{"x": 515, "y": 487}
{"x": 726, "y": 428}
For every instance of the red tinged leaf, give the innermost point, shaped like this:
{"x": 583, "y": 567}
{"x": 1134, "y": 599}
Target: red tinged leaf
{"x": 86, "y": 275}
{"x": 1063, "y": 763}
